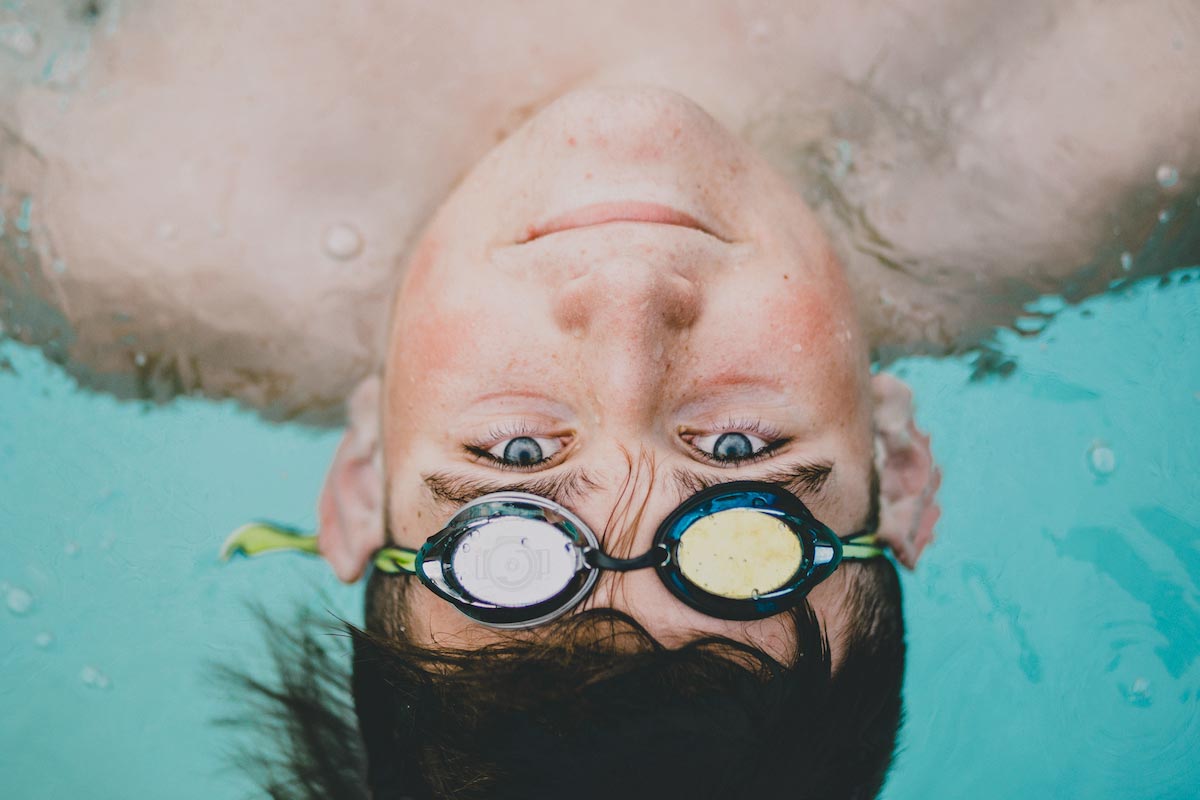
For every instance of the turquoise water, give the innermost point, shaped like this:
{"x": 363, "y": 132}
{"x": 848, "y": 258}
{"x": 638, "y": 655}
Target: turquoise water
{"x": 1054, "y": 626}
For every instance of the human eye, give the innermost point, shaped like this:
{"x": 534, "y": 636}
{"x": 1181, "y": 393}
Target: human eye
{"x": 516, "y": 448}
{"x": 739, "y": 443}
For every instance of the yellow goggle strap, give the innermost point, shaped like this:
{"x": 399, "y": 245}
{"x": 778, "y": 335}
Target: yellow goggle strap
{"x": 861, "y": 547}
{"x": 256, "y": 538}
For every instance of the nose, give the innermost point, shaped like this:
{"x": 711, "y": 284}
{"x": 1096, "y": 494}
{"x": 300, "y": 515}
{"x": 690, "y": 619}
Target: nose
{"x": 628, "y": 294}
{"x": 628, "y": 314}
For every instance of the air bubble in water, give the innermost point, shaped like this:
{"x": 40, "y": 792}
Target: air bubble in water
{"x": 797, "y": 348}
{"x": 167, "y": 230}
{"x": 139, "y": 358}
{"x": 1138, "y": 692}
{"x": 1167, "y": 176}
{"x": 19, "y": 601}
{"x": 91, "y": 676}
{"x": 1164, "y": 216}
{"x": 71, "y": 548}
{"x": 1126, "y": 261}
{"x": 44, "y": 639}
{"x": 342, "y": 242}
{"x": 754, "y": 594}
{"x": 59, "y": 266}
{"x": 1101, "y": 459}
{"x": 19, "y": 38}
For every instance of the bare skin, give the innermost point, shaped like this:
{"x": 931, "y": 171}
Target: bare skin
{"x": 600, "y": 291}
{"x": 214, "y": 198}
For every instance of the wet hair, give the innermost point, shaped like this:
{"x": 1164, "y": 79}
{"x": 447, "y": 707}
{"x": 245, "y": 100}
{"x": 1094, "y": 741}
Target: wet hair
{"x": 592, "y": 706}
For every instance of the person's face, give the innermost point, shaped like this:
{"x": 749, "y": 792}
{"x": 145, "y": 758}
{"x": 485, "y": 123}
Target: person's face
{"x": 619, "y": 304}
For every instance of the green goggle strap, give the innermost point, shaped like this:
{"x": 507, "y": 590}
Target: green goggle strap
{"x": 257, "y": 538}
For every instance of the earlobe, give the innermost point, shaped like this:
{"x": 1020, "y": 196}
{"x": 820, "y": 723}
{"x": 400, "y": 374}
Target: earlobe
{"x": 351, "y": 506}
{"x": 908, "y": 477}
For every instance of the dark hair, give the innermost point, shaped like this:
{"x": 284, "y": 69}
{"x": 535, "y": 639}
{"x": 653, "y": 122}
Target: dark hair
{"x": 593, "y": 706}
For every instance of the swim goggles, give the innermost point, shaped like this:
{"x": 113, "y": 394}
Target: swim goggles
{"x": 738, "y": 551}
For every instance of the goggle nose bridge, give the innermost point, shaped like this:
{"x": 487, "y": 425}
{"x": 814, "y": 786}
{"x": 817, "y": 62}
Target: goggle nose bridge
{"x": 657, "y": 556}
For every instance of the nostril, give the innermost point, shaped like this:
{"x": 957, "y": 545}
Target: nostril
{"x": 572, "y": 309}
{"x": 646, "y": 298}
{"x": 682, "y": 312}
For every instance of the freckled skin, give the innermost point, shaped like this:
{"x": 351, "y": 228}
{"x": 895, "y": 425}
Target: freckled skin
{"x": 622, "y": 334}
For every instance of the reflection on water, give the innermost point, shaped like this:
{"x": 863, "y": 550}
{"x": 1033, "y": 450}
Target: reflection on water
{"x": 1054, "y": 625}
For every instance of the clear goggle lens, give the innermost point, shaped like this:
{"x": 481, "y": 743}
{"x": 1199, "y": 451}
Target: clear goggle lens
{"x": 514, "y": 561}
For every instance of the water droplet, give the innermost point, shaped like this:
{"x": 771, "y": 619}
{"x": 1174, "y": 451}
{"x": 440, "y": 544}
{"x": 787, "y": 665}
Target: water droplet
{"x": 760, "y": 32}
{"x": 845, "y": 157}
{"x": 19, "y": 38}
{"x": 62, "y": 68}
{"x": 71, "y": 548}
{"x": 1126, "y": 261}
{"x": 24, "y": 221}
{"x": 797, "y": 348}
{"x": 758, "y": 502}
{"x": 342, "y": 242}
{"x": 139, "y": 358}
{"x": 1140, "y": 687}
{"x": 754, "y": 594}
{"x": 44, "y": 639}
{"x": 91, "y": 676}
{"x": 1167, "y": 176}
{"x": 167, "y": 230}
{"x": 59, "y": 266}
{"x": 466, "y": 547}
{"x": 217, "y": 229}
{"x": 20, "y": 602}
{"x": 1102, "y": 459}
{"x": 1164, "y": 216}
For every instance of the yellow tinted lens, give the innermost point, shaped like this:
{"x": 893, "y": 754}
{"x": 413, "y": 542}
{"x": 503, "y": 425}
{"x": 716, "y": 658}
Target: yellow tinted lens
{"x": 739, "y": 553}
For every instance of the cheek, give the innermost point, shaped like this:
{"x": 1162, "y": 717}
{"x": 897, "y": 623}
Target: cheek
{"x": 420, "y": 266}
{"x": 433, "y": 343}
{"x": 435, "y": 623}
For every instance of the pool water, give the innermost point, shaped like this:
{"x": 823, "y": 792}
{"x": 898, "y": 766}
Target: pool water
{"x": 1054, "y": 626}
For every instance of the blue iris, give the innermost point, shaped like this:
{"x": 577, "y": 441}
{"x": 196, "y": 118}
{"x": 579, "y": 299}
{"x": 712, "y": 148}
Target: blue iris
{"x": 523, "y": 451}
{"x": 732, "y": 447}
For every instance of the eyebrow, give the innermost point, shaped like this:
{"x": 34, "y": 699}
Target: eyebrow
{"x": 455, "y": 488}
{"x": 805, "y": 479}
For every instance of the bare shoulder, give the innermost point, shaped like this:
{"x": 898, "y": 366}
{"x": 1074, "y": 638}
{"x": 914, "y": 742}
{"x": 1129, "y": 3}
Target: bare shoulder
{"x": 1055, "y": 152}
{"x": 196, "y": 203}
{"x": 217, "y": 198}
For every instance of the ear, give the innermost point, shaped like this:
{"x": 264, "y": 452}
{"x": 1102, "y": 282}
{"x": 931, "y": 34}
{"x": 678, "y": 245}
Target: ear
{"x": 908, "y": 478}
{"x": 351, "y": 507}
